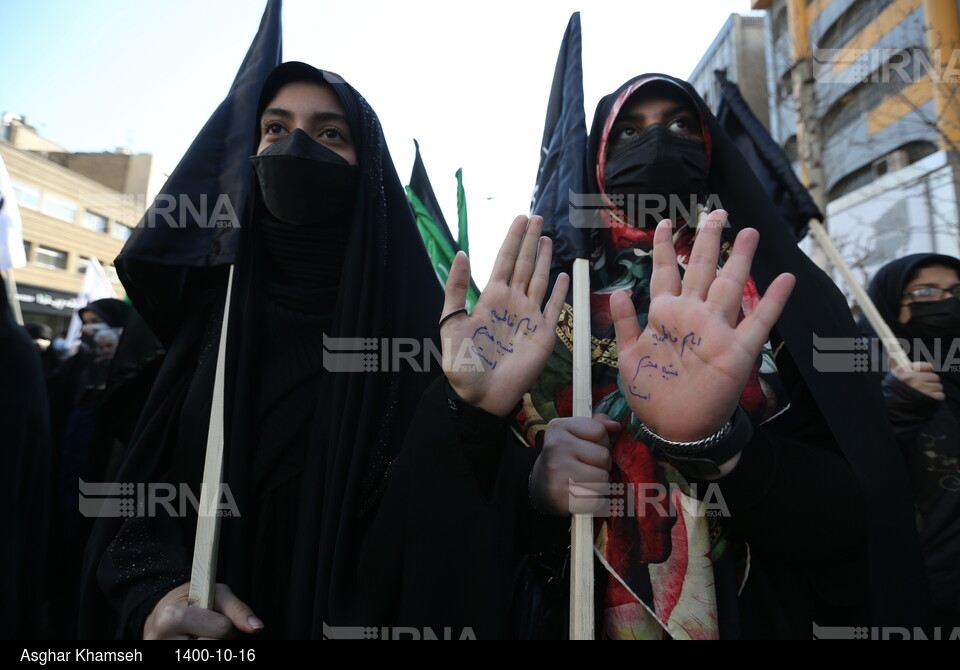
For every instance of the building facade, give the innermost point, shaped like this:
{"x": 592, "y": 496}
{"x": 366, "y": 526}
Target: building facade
{"x": 885, "y": 115}
{"x": 74, "y": 206}
{"x": 739, "y": 49}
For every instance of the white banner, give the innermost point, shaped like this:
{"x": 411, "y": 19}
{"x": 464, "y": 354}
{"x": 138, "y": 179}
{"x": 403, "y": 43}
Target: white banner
{"x": 12, "y": 254}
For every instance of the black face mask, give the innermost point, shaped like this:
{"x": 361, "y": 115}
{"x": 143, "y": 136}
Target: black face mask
{"x": 931, "y": 320}
{"x": 303, "y": 183}
{"x": 661, "y": 163}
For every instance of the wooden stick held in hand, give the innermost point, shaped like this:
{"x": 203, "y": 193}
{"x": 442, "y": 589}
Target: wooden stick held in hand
{"x": 581, "y": 540}
{"x": 203, "y": 576}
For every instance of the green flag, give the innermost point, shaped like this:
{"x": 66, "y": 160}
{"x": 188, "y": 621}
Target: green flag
{"x": 462, "y": 238}
{"x": 433, "y": 227}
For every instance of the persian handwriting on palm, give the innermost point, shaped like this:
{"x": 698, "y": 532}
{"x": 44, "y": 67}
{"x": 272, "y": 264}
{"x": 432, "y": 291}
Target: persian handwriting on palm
{"x": 489, "y": 347}
{"x": 683, "y": 375}
{"x": 493, "y": 355}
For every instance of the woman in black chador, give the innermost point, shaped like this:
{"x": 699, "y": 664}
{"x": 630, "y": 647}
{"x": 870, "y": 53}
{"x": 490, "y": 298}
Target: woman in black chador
{"x": 918, "y": 298}
{"x": 321, "y": 246}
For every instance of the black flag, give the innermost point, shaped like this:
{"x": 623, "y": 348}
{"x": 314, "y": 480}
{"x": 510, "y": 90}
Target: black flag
{"x": 193, "y": 221}
{"x": 562, "y": 152}
{"x": 767, "y": 159}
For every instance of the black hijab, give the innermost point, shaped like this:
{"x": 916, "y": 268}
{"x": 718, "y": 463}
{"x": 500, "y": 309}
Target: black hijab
{"x": 386, "y": 290}
{"x": 113, "y": 312}
{"x": 886, "y": 291}
{"x": 886, "y": 287}
{"x": 816, "y": 308}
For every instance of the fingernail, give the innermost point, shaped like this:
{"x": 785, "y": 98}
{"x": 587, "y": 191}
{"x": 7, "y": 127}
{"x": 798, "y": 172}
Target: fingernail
{"x": 255, "y": 623}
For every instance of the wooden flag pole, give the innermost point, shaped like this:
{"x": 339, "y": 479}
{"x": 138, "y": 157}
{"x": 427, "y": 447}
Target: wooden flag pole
{"x": 11, "y": 287}
{"x": 890, "y": 341}
{"x": 581, "y": 540}
{"x": 203, "y": 577}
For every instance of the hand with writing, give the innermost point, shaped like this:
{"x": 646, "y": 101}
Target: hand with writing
{"x": 493, "y": 355}
{"x": 684, "y": 374}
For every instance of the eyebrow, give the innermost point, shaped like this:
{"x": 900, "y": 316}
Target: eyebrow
{"x": 318, "y": 116}
{"x": 670, "y": 111}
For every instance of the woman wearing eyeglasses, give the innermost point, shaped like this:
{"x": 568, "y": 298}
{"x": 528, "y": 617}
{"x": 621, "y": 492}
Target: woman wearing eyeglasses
{"x": 919, "y": 297}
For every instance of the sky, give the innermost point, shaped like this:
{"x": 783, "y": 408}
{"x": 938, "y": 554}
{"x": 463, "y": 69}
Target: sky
{"x": 469, "y": 80}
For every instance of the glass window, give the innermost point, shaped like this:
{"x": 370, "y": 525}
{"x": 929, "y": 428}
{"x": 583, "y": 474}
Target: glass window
{"x": 60, "y": 208}
{"x": 119, "y": 231}
{"x": 851, "y": 22}
{"x": 51, "y": 258}
{"x": 93, "y": 221}
{"x": 26, "y": 196}
{"x": 111, "y": 273}
{"x": 82, "y": 264}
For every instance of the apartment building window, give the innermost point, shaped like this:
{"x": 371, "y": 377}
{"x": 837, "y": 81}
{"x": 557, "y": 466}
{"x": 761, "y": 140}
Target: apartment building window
{"x": 851, "y": 22}
{"x": 111, "y": 273}
{"x": 884, "y": 82}
{"x": 26, "y": 196}
{"x": 93, "y": 221}
{"x": 82, "y": 265}
{"x": 119, "y": 231}
{"x": 60, "y": 208}
{"x": 51, "y": 258}
{"x": 779, "y": 26}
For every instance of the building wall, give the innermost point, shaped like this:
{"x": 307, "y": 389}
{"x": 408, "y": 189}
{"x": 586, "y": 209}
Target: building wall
{"x": 739, "y": 48}
{"x": 53, "y": 184}
{"x": 23, "y": 136}
{"x": 908, "y": 211}
{"x": 752, "y": 65}
{"x": 123, "y": 172}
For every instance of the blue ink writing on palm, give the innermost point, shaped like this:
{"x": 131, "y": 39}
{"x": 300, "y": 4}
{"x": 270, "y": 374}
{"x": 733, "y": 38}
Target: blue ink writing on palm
{"x": 667, "y": 336}
{"x": 689, "y": 340}
{"x": 505, "y": 318}
{"x": 645, "y": 362}
{"x": 528, "y": 330}
{"x": 493, "y": 352}
{"x": 479, "y": 348}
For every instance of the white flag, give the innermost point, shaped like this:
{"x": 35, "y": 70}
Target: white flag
{"x": 11, "y": 226}
{"x": 95, "y": 287}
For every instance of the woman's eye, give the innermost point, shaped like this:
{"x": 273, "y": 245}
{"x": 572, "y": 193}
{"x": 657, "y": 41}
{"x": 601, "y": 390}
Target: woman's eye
{"x": 681, "y": 125}
{"x": 626, "y": 133}
{"x": 274, "y": 129}
{"x": 331, "y": 134}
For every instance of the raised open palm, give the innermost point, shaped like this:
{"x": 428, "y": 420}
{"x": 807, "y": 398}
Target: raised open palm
{"x": 683, "y": 375}
{"x": 493, "y": 355}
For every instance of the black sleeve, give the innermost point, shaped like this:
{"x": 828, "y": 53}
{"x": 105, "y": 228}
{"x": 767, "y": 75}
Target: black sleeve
{"x": 907, "y": 408}
{"x": 480, "y": 435}
{"x": 453, "y": 525}
{"x": 792, "y": 492}
{"x": 147, "y": 559}
{"x": 785, "y": 491}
